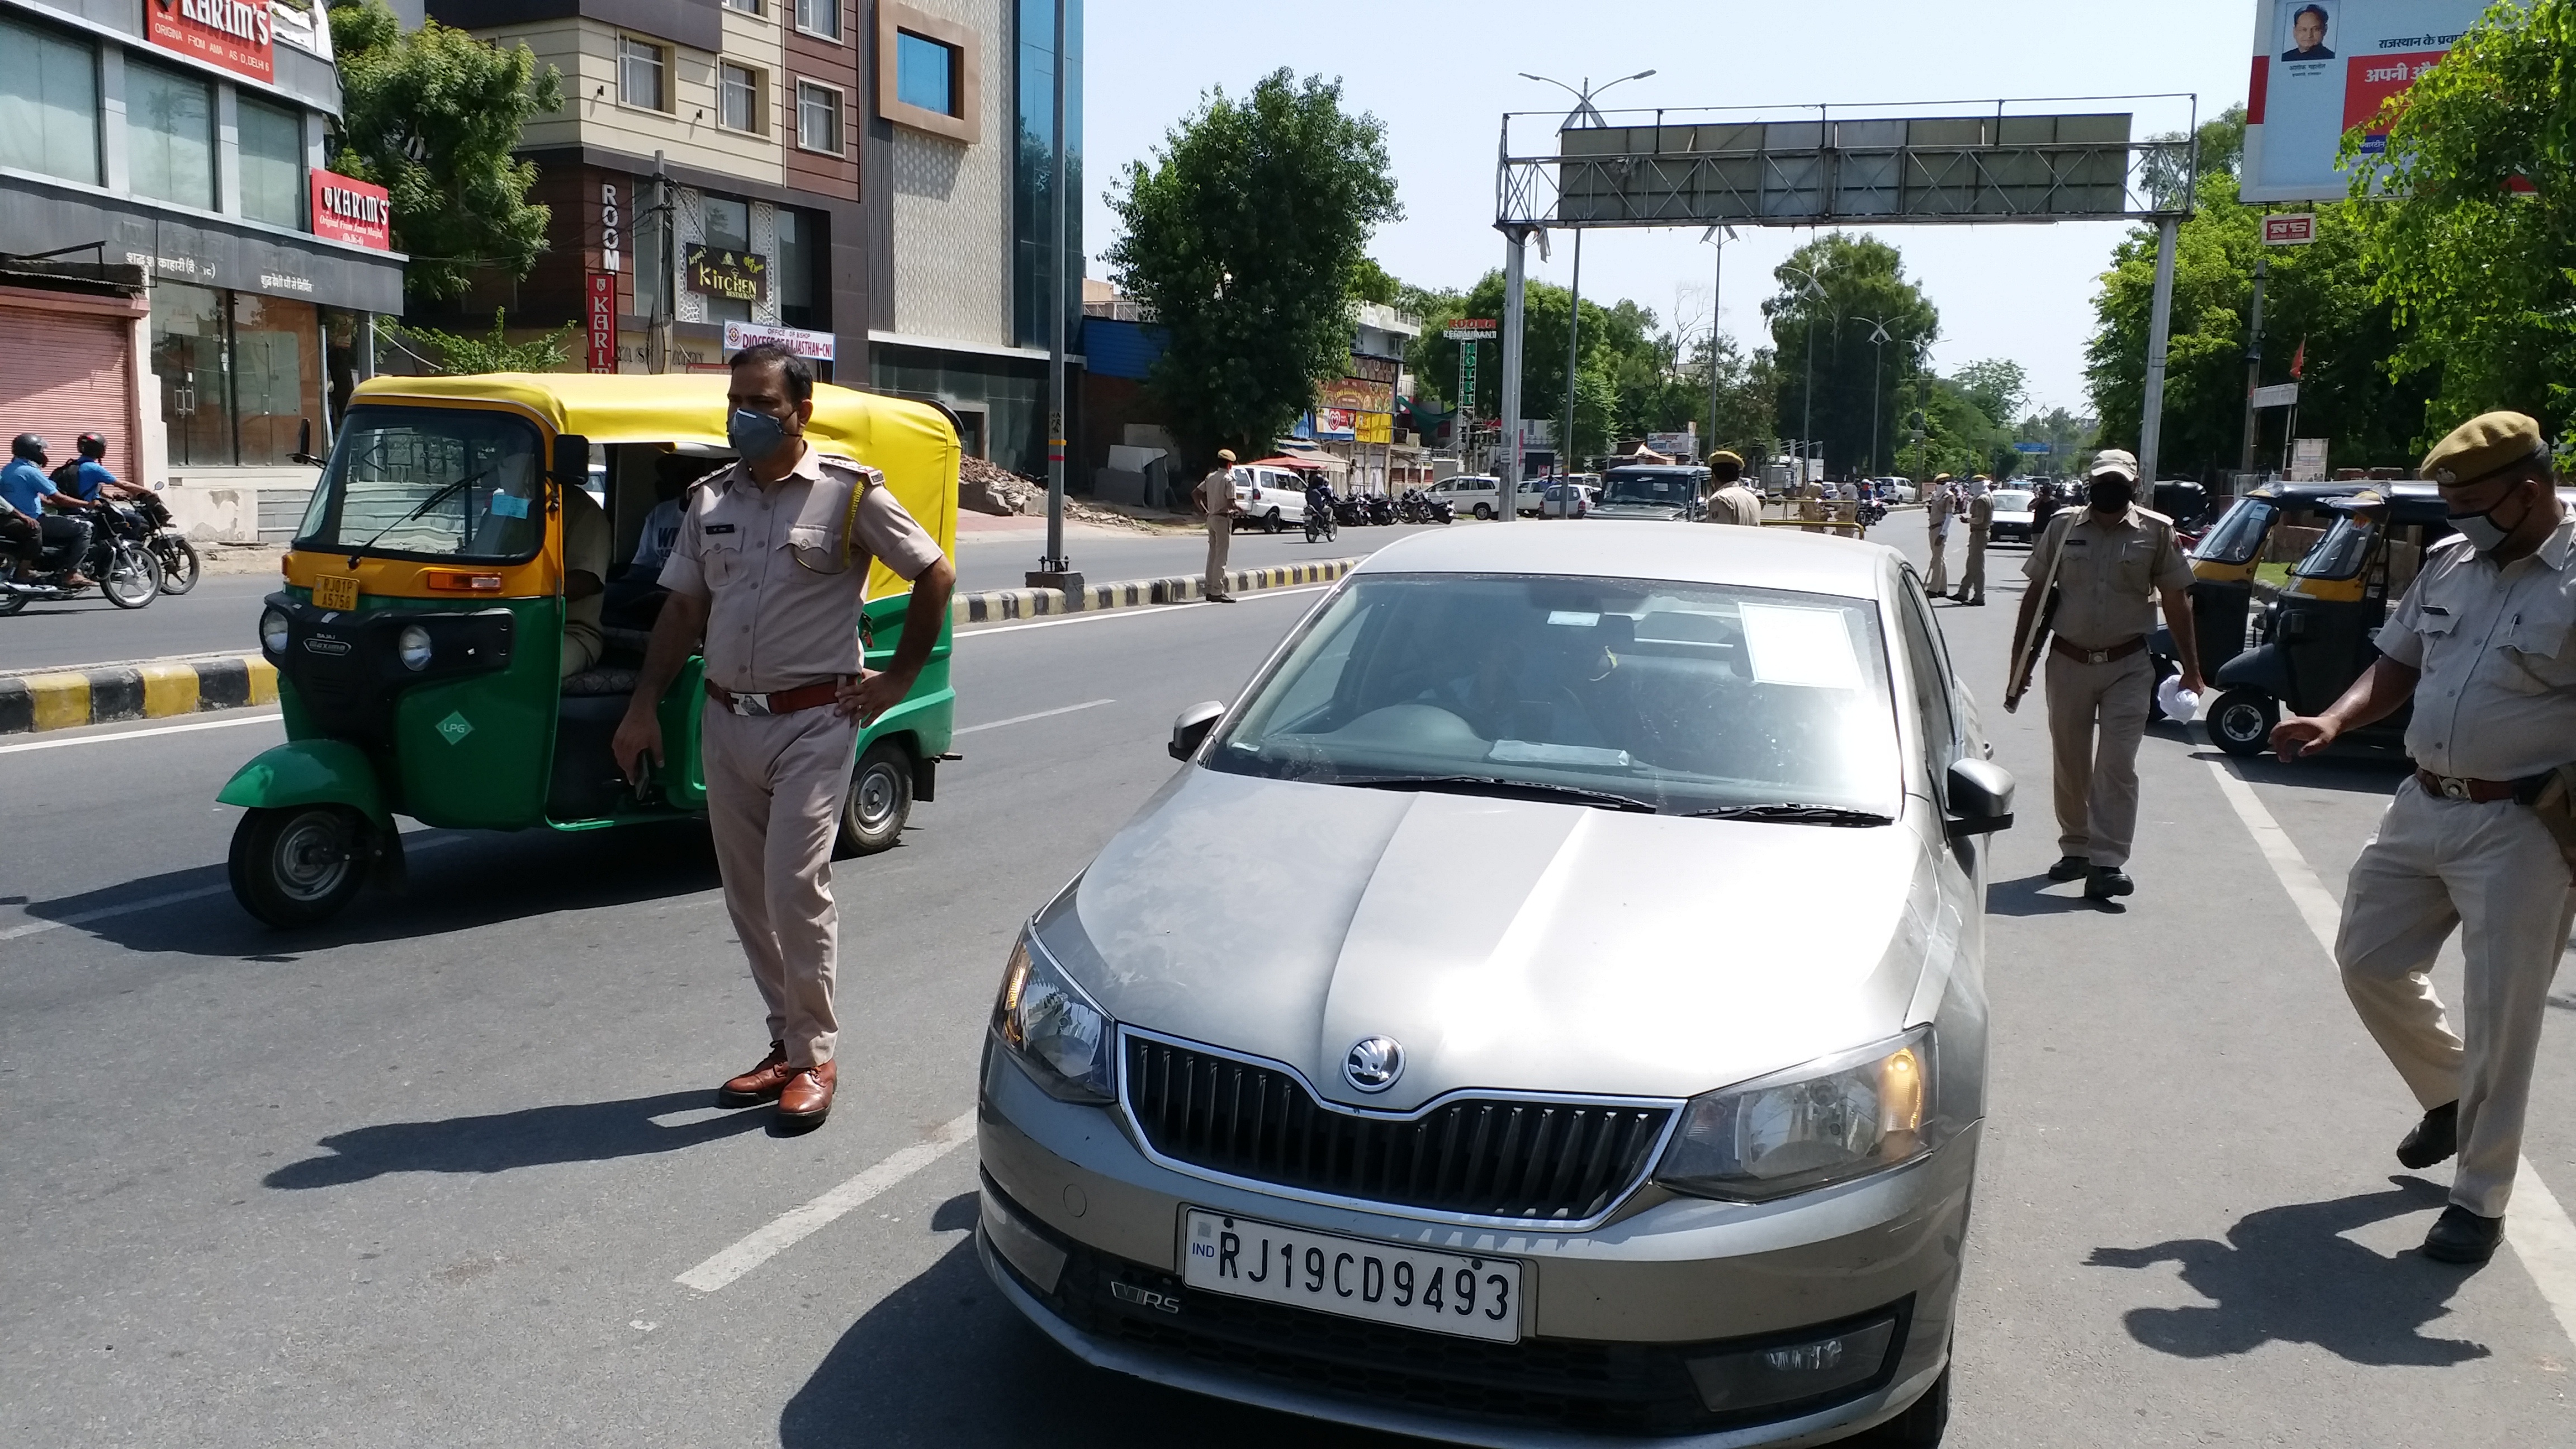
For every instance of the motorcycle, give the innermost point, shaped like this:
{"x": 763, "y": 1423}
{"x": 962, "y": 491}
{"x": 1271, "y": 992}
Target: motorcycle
{"x": 120, "y": 560}
{"x": 1319, "y": 518}
{"x": 1873, "y": 510}
{"x": 1381, "y": 509}
{"x": 1421, "y": 507}
{"x": 1350, "y": 512}
{"x": 178, "y": 557}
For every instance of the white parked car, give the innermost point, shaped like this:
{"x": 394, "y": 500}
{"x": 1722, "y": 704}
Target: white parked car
{"x": 1269, "y": 499}
{"x": 1474, "y": 494}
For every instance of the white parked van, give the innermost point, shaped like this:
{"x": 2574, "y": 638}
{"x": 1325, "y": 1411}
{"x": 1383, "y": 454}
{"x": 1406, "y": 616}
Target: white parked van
{"x": 1473, "y": 494}
{"x": 1269, "y": 499}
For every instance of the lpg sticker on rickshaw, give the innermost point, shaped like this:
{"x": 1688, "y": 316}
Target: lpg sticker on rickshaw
{"x": 455, "y": 727}
{"x": 335, "y": 591}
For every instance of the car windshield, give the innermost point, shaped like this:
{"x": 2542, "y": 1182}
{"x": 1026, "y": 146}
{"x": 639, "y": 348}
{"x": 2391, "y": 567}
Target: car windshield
{"x": 430, "y": 483}
{"x": 1644, "y": 487}
{"x": 2343, "y": 551}
{"x": 2012, "y": 500}
{"x": 1681, "y": 698}
{"x": 2238, "y": 534}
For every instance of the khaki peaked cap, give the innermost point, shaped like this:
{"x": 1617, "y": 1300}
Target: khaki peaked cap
{"x": 2485, "y": 446}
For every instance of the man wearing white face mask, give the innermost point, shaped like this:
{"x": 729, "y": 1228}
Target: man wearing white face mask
{"x": 2484, "y": 643}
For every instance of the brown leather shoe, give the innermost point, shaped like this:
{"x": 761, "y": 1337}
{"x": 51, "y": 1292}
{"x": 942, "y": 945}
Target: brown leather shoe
{"x": 761, "y": 1084}
{"x": 808, "y": 1098}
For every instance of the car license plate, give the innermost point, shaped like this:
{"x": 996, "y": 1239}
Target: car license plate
{"x": 335, "y": 591}
{"x": 1472, "y": 1297}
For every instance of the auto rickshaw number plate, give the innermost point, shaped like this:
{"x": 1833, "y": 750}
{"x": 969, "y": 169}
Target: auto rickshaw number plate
{"x": 335, "y": 591}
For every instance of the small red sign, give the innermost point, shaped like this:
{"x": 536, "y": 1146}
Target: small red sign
{"x": 2292, "y": 230}
{"x": 233, "y": 34}
{"x": 352, "y": 211}
{"x": 600, "y": 297}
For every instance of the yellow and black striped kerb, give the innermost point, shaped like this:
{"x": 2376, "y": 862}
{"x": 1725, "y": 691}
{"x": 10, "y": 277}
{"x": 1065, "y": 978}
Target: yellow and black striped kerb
{"x": 994, "y": 606}
{"x": 61, "y": 699}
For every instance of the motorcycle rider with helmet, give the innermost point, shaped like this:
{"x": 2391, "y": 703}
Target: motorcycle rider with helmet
{"x": 24, "y": 487}
{"x": 87, "y": 477}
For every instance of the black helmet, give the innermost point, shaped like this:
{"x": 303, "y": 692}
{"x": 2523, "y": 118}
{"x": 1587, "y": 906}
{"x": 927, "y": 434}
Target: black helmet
{"x": 30, "y": 446}
{"x": 92, "y": 445}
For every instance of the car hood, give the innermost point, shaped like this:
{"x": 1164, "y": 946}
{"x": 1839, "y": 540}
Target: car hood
{"x": 1654, "y": 512}
{"x": 1504, "y": 943}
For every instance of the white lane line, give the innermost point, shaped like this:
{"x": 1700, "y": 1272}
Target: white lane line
{"x": 154, "y": 903}
{"x": 2537, "y": 1227}
{"x": 995, "y": 724}
{"x": 177, "y": 729}
{"x": 794, "y": 1225}
{"x": 1148, "y": 611}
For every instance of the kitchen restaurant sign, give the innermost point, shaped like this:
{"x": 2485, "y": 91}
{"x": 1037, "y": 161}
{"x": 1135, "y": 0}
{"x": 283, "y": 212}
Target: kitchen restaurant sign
{"x": 718, "y": 272}
{"x": 234, "y": 34}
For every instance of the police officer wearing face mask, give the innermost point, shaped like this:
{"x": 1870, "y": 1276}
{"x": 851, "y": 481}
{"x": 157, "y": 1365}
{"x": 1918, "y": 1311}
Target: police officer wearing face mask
{"x": 2484, "y": 643}
{"x": 771, "y": 566}
{"x": 2112, "y": 563}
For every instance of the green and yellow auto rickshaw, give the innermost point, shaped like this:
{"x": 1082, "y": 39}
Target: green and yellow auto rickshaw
{"x": 2273, "y": 526}
{"x": 418, "y": 639}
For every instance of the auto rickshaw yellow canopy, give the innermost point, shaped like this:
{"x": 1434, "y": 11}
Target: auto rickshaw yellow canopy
{"x": 912, "y": 443}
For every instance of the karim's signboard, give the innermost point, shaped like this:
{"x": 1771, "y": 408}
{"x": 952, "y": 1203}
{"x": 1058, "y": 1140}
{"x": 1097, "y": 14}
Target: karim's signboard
{"x": 599, "y": 302}
{"x": 234, "y": 34}
{"x": 349, "y": 210}
{"x": 2324, "y": 67}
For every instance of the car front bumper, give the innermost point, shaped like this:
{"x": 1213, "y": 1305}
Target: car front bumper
{"x": 1082, "y": 1231}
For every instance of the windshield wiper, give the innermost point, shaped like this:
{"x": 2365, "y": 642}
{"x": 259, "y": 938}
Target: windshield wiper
{"x": 1495, "y": 785}
{"x": 1791, "y": 813}
{"x": 426, "y": 504}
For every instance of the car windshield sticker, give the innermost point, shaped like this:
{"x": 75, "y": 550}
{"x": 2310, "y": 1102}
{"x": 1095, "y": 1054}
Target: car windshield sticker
{"x": 456, "y": 727}
{"x": 1808, "y": 647}
{"x": 509, "y": 505}
{"x": 1525, "y": 752}
{"x": 1573, "y": 620}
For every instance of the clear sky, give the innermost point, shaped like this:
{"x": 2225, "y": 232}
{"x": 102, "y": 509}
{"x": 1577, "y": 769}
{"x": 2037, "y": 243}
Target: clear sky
{"x": 1441, "y": 72}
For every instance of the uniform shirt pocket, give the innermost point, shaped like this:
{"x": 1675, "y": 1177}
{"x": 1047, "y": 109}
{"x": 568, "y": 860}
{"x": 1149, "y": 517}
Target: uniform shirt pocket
{"x": 2135, "y": 568}
{"x": 2536, "y": 649}
{"x": 814, "y": 548}
{"x": 720, "y": 558}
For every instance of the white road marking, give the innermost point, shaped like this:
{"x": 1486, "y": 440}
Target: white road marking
{"x": 2537, "y": 1226}
{"x": 177, "y": 729}
{"x": 1152, "y": 611}
{"x": 794, "y": 1225}
{"x": 411, "y": 843}
{"x": 1041, "y": 714}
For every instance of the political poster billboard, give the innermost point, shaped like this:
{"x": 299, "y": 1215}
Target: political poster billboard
{"x": 2324, "y": 67}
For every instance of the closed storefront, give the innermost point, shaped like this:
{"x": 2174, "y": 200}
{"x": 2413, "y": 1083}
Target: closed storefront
{"x": 69, "y": 365}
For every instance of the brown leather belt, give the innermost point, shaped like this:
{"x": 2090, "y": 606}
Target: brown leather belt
{"x": 2478, "y": 792}
{"x": 785, "y": 701}
{"x": 2082, "y": 655}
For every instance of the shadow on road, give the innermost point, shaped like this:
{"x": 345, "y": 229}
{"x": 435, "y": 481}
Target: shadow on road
{"x": 530, "y": 1137}
{"x": 2030, "y": 896}
{"x": 2288, "y": 1274}
{"x": 2358, "y": 769}
{"x": 944, "y": 1360}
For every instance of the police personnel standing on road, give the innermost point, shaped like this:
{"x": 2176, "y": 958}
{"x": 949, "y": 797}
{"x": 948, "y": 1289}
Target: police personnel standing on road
{"x": 1937, "y": 508}
{"x": 2485, "y": 644}
{"x": 2113, "y": 562}
{"x": 1981, "y": 516}
{"x": 1216, "y": 495}
{"x": 1732, "y": 503}
{"x": 771, "y": 566}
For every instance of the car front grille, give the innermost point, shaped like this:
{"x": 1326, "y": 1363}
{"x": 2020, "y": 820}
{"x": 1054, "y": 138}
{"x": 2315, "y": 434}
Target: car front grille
{"x": 1496, "y": 1158}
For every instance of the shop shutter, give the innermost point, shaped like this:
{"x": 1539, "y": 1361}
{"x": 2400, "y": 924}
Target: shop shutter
{"x": 63, "y": 375}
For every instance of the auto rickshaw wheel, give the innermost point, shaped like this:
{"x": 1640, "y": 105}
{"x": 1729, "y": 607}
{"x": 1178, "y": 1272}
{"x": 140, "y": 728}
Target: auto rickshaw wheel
{"x": 880, "y": 800}
{"x": 300, "y": 864}
{"x": 2241, "y": 722}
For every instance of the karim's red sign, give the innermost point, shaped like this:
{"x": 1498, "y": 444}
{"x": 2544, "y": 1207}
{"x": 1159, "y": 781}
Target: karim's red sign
{"x": 600, "y": 296}
{"x": 346, "y": 210}
{"x": 233, "y": 34}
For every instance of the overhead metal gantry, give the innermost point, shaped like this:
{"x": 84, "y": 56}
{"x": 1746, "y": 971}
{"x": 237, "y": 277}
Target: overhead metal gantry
{"x": 1937, "y": 164}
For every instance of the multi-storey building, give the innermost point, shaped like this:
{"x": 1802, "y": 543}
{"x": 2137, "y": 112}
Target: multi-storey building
{"x": 861, "y": 179}
{"x": 184, "y": 139}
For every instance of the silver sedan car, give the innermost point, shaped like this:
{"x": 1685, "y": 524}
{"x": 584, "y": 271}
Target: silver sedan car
{"x": 1612, "y": 1071}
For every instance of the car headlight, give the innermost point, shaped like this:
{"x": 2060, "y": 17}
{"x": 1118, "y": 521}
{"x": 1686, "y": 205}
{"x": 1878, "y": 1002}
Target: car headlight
{"x": 273, "y": 630}
{"x": 1826, "y": 1122}
{"x": 412, "y": 646}
{"x": 1053, "y": 1028}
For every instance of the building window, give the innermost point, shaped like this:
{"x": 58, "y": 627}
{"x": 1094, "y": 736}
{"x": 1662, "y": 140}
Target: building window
{"x": 277, "y": 376}
{"x": 1032, "y": 187}
{"x": 925, "y": 73}
{"x": 818, "y": 118}
{"x": 747, "y": 7}
{"x": 272, "y": 164}
{"x": 737, "y": 97}
{"x": 819, "y": 17}
{"x": 792, "y": 271}
{"x": 727, "y": 224}
{"x": 169, "y": 136}
{"x": 195, "y": 375}
{"x": 48, "y": 104}
{"x": 640, "y": 73}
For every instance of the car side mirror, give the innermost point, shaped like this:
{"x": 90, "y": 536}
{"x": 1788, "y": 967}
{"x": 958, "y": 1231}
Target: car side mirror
{"x": 1981, "y": 798}
{"x": 1191, "y": 729}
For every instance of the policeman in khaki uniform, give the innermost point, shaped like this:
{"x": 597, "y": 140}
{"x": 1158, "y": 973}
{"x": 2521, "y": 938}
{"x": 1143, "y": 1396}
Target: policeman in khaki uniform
{"x": 2114, "y": 561}
{"x": 1937, "y": 508}
{"x": 1216, "y": 495}
{"x": 1981, "y": 516}
{"x": 771, "y": 563}
{"x": 1732, "y": 503}
{"x": 2484, "y": 643}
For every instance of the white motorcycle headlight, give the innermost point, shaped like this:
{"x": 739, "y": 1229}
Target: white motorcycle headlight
{"x": 412, "y": 645}
{"x": 1823, "y": 1123}
{"x": 273, "y": 630}
{"x": 1053, "y": 1028}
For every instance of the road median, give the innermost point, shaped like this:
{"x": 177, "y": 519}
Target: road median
{"x": 994, "y": 606}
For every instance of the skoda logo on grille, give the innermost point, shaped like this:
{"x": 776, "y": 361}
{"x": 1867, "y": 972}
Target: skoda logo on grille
{"x": 1373, "y": 1064}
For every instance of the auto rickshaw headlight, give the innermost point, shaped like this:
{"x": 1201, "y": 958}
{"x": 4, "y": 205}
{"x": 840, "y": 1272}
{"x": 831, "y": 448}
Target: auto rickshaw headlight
{"x": 413, "y": 647}
{"x": 273, "y": 630}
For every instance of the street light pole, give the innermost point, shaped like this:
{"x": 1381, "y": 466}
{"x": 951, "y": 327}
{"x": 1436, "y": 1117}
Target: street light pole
{"x": 1813, "y": 292}
{"x": 1720, "y": 235}
{"x": 1055, "y": 571}
{"x": 1877, "y": 366}
{"x": 1582, "y": 115}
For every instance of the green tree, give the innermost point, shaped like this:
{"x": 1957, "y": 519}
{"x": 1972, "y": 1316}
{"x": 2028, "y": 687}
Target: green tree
{"x": 1864, "y": 287}
{"x": 1998, "y": 386}
{"x": 432, "y": 116}
{"x": 459, "y": 355}
{"x": 2477, "y": 257}
{"x": 1247, "y": 237}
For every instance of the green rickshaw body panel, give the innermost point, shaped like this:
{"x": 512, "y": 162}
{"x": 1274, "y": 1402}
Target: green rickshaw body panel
{"x": 683, "y": 776}
{"x": 308, "y": 772}
{"x": 929, "y": 712}
{"x": 476, "y": 752}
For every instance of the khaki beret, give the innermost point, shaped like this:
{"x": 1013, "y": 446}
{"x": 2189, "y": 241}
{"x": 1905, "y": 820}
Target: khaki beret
{"x": 2483, "y": 447}
{"x": 1226, "y": 453}
{"x": 1722, "y": 455}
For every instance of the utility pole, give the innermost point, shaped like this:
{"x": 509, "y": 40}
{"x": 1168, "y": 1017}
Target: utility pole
{"x": 1507, "y": 494}
{"x": 2151, "y": 419}
{"x": 1720, "y": 234}
{"x": 1583, "y": 114}
{"x": 1055, "y": 571}
{"x": 2254, "y": 365}
{"x": 1814, "y": 292}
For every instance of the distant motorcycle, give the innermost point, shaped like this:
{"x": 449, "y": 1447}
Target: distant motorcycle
{"x": 1350, "y": 512}
{"x": 1381, "y": 509}
{"x": 120, "y": 559}
{"x": 1319, "y": 518}
{"x": 1421, "y": 507}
